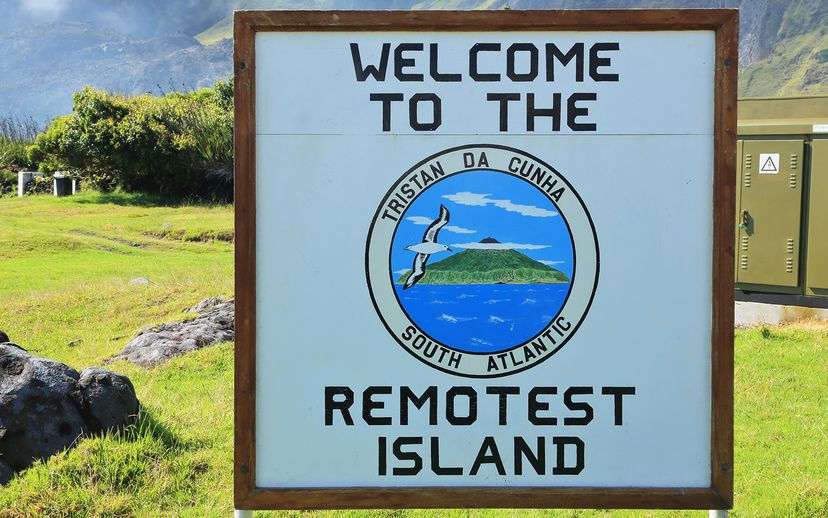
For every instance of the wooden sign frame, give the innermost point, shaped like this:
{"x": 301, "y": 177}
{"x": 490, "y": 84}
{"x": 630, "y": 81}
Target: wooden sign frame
{"x": 720, "y": 493}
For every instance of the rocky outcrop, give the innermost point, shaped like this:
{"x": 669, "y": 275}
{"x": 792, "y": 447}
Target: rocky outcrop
{"x": 160, "y": 343}
{"x": 45, "y": 406}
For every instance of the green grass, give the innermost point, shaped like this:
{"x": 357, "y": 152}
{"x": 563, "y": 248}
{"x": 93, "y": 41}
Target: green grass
{"x": 73, "y": 258}
{"x": 781, "y": 429}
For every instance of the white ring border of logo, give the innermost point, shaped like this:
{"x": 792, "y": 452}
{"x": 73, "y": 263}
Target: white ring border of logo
{"x": 584, "y": 280}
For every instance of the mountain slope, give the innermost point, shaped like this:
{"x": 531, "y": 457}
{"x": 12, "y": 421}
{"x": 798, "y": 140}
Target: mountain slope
{"x": 489, "y": 267}
{"x": 224, "y": 28}
{"x": 53, "y": 48}
{"x": 796, "y": 57}
{"x": 783, "y": 43}
{"x": 142, "y": 19}
{"x": 42, "y": 66}
{"x": 798, "y": 66}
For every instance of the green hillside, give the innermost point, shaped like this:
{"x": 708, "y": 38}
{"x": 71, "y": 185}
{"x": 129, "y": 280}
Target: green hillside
{"x": 797, "y": 66}
{"x": 217, "y": 32}
{"x": 489, "y": 267}
{"x": 795, "y": 33}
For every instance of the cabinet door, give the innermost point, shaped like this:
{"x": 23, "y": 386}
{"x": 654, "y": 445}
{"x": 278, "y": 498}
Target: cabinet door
{"x": 770, "y": 213}
{"x": 740, "y": 171}
{"x": 817, "y": 274}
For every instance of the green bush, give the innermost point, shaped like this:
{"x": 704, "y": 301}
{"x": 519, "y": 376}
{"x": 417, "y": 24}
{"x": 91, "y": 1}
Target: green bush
{"x": 15, "y": 137}
{"x": 179, "y": 144}
{"x": 13, "y": 153}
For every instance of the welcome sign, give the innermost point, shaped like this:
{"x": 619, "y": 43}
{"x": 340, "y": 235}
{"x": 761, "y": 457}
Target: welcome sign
{"x": 484, "y": 259}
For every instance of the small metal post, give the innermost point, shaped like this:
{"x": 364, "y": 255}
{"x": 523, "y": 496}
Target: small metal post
{"x": 238, "y": 513}
{"x": 714, "y": 514}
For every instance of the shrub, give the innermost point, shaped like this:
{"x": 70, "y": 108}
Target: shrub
{"x": 15, "y": 137}
{"x": 179, "y": 144}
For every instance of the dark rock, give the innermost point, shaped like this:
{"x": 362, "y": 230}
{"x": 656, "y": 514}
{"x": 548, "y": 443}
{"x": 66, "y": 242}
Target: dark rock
{"x": 37, "y": 409}
{"x": 107, "y": 399}
{"x": 6, "y": 473}
{"x": 160, "y": 343}
{"x": 45, "y": 406}
{"x": 3, "y": 337}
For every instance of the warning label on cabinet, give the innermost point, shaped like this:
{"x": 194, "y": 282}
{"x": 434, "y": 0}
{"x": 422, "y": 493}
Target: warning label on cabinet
{"x": 769, "y": 163}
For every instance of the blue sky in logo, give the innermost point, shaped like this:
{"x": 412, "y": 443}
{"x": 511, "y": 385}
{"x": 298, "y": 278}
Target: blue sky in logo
{"x": 485, "y": 204}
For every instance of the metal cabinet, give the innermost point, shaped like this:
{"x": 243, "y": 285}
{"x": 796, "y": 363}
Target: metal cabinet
{"x": 781, "y": 227}
{"x": 816, "y": 278}
{"x": 769, "y": 213}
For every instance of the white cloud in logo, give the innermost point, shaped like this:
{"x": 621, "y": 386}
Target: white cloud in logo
{"x": 482, "y": 200}
{"x": 469, "y": 198}
{"x": 499, "y": 246}
{"x": 459, "y": 230}
{"x": 549, "y": 263}
{"x": 423, "y": 220}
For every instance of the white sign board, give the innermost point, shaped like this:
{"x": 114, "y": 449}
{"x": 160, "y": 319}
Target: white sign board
{"x": 483, "y": 259}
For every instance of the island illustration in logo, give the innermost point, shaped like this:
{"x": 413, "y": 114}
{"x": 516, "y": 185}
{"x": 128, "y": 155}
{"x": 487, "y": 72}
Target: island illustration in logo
{"x": 471, "y": 261}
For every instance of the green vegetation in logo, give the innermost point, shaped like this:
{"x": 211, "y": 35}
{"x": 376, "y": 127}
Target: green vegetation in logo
{"x": 489, "y": 267}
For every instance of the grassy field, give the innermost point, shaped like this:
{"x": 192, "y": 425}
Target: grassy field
{"x": 65, "y": 267}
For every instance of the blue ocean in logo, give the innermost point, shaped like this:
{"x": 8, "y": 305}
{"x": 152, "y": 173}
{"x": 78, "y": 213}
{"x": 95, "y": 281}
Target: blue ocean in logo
{"x": 482, "y": 318}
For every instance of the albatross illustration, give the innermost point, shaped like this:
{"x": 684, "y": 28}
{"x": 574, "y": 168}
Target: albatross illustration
{"x": 426, "y": 248}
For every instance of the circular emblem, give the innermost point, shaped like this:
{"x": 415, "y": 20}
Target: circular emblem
{"x": 482, "y": 261}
